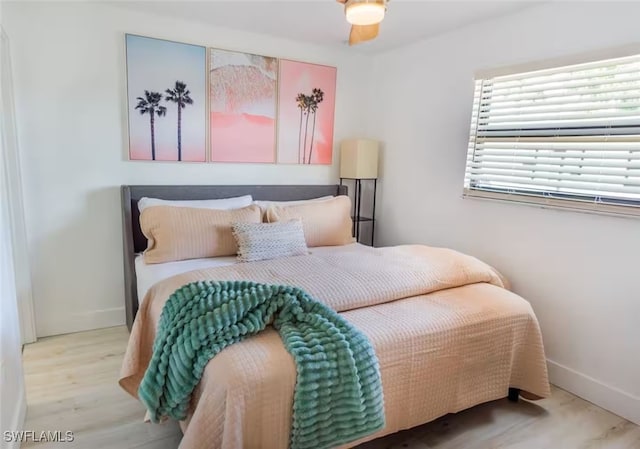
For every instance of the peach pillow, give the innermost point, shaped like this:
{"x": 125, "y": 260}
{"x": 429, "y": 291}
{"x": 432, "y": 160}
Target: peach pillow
{"x": 325, "y": 223}
{"x": 180, "y": 233}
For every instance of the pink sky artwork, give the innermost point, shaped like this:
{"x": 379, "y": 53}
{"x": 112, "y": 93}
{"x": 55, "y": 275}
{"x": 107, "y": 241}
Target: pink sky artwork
{"x": 243, "y": 107}
{"x": 305, "y": 134}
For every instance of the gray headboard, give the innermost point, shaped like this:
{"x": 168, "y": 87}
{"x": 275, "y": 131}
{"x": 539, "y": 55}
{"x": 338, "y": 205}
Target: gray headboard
{"x": 134, "y": 241}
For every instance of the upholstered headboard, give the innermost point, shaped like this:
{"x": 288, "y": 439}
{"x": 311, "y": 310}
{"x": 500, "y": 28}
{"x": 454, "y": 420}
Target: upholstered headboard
{"x": 135, "y": 242}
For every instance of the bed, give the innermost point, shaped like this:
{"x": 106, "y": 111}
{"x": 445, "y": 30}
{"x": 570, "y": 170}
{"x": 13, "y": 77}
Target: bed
{"x": 446, "y": 330}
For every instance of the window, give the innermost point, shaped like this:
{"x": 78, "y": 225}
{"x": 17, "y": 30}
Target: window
{"x": 565, "y": 137}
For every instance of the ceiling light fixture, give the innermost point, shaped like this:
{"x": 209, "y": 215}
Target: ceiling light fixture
{"x": 365, "y": 12}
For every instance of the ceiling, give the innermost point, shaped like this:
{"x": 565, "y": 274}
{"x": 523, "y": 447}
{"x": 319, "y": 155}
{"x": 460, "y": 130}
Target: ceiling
{"x": 322, "y": 21}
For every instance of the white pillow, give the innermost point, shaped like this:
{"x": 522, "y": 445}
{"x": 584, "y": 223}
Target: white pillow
{"x": 222, "y": 204}
{"x": 264, "y": 205}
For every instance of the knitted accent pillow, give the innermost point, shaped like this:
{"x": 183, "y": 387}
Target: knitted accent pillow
{"x": 262, "y": 241}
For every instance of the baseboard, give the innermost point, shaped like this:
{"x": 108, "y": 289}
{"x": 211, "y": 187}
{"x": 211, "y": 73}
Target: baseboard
{"x": 67, "y": 324}
{"x": 18, "y": 418}
{"x": 610, "y": 398}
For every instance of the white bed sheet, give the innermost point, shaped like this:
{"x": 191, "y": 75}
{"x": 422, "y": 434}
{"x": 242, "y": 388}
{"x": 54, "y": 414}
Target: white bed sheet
{"x": 149, "y": 274}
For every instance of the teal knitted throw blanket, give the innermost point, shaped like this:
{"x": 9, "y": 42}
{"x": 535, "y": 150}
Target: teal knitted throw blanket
{"x": 338, "y": 393}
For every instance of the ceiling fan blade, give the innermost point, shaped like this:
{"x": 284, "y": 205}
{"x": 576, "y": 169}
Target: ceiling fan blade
{"x": 363, "y": 33}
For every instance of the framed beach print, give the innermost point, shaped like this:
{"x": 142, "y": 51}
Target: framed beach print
{"x": 242, "y": 115}
{"x": 167, "y": 101}
{"x": 306, "y": 107}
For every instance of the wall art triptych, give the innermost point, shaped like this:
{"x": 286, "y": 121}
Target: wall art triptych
{"x": 190, "y": 103}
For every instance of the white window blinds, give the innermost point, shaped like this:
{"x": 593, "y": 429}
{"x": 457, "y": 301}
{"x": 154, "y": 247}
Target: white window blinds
{"x": 566, "y": 137}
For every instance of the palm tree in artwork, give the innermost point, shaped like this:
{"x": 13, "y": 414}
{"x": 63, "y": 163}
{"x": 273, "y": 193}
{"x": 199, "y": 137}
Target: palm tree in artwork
{"x": 303, "y": 104}
{"x": 180, "y": 96}
{"x": 308, "y": 104}
{"x": 150, "y": 104}
{"x": 317, "y": 97}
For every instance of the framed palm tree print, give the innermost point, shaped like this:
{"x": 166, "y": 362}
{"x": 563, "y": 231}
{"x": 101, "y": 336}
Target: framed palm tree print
{"x": 242, "y": 91}
{"x": 306, "y": 107}
{"x": 167, "y": 100}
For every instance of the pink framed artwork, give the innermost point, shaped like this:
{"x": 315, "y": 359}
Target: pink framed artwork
{"x": 242, "y": 112}
{"x": 306, "y": 108}
{"x": 167, "y": 101}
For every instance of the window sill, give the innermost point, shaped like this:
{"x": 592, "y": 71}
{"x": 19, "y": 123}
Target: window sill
{"x": 556, "y": 204}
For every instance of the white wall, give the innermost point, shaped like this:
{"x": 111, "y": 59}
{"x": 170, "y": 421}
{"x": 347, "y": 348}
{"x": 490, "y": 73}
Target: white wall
{"x": 70, "y": 96}
{"x": 579, "y": 271}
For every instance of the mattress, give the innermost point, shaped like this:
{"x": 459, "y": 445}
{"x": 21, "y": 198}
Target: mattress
{"x": 446, "y": 332}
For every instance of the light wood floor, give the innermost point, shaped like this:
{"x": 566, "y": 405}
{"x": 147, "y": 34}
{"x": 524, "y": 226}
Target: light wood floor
{"x": 72, "y": 385}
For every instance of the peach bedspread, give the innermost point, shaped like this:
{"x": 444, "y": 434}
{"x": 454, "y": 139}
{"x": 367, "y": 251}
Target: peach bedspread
{"x": 447, "y": 334}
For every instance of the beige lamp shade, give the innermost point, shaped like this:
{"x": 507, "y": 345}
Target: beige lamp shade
{"x": 359, "y": 159}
